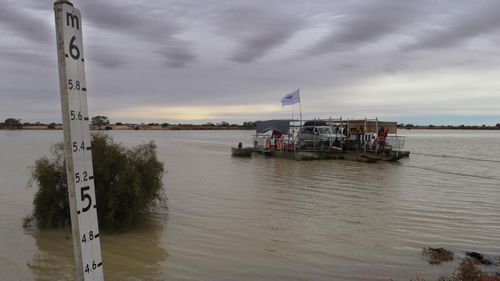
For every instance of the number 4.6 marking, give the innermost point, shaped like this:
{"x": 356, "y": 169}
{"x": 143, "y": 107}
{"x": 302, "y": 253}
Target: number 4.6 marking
{"x": 90, "y": 267}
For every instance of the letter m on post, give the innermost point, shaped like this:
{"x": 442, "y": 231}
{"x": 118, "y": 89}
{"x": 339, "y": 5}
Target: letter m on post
{"x": 73, "y": 19}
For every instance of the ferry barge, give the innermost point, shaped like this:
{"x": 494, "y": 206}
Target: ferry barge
{"x": 366, "y": 140}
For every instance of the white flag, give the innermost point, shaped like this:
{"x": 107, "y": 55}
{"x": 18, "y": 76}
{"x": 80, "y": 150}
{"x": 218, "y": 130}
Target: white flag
{"x": 291, "y": 98}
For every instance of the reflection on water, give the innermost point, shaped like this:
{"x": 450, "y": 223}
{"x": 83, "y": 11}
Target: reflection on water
{"x": 53, "y": 259}
{"x": 133, "y": 255}
{"x": 263, "y": 218}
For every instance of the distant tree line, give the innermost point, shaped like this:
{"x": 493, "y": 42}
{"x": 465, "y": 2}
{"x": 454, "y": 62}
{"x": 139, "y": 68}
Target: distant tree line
{"x": 15, "y": 123}
{"x": 450, "y": 127}
{"x": 11, "y": 124}
{"x": 100, "y": 122}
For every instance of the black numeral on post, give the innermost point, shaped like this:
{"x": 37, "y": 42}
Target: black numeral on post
{"x": 93, "y": 266}
{"x": 82, "y": 178}
{"x": 74, "y": 52}
{"x": 85, "y": 197}
{"x": 74, "y": 85}
{"x": 90, "y": 237}
{"x": 75, "y": 115}
{"x": 77, "y": 146}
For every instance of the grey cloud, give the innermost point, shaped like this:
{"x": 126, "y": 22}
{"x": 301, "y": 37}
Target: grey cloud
{"x": 367, "y": 24}
{"x": 105, "y": 57}
{"x": 256, "y": 30}
{"x": 177, "y": 56}
{"x": 39, "y": 5}
{"x": 19, "y": 20}
{"x": 468, "y": 23}
{"x": 156, "y": 38}
{"x": 29, "y": 56}
{"x": 145, "y": 25}
{"x": 136, "y": 20}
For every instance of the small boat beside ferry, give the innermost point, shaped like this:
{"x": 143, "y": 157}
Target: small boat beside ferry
{"x": 365, "y": 140}
{"x": 241, "y": 151}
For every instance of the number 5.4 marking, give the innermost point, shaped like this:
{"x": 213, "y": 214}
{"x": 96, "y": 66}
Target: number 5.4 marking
{"x": 77, "y": 146}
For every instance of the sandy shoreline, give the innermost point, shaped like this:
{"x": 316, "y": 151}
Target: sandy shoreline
{"x": 143, "y": 127}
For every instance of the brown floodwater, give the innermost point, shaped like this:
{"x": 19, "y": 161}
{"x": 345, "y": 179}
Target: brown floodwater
{"x": 273, "y": 219}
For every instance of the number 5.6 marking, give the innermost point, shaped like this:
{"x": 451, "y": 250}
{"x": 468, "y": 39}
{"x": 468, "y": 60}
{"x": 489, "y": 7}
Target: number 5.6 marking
{"x": 75, "y": 116}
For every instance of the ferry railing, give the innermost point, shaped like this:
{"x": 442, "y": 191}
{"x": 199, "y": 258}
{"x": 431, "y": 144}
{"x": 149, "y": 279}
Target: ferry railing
{"x": 396, "y": 142}
{"x": 259, "y": 141}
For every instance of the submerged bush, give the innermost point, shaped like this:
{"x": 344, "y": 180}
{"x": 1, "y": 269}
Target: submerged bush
{"x": 469, "y": 270}
{"x": 437, "y": 255}
{"x": 128, "y": 184}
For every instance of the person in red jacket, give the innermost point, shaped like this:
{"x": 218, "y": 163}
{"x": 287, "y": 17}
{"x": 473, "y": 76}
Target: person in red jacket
{"x": 382, "y": 135}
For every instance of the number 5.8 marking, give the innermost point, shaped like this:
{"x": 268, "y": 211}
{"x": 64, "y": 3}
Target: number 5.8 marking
{"x": 72, "y": 85}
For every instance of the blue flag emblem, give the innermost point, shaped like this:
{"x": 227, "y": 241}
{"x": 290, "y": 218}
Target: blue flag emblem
{"x": 291, "y": 98}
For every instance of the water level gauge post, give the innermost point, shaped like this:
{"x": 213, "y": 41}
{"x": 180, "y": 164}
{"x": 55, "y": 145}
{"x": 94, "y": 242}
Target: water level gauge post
{"x": 78, "y": 151}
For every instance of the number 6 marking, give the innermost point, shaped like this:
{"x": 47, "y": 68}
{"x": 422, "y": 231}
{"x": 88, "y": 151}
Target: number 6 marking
{"x": 73, "y": 48}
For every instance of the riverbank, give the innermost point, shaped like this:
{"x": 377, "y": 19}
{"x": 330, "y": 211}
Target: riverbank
{"x": 155, "y": 126}
{"x": 140, "y": 127}
{"x": 448, "y": 127}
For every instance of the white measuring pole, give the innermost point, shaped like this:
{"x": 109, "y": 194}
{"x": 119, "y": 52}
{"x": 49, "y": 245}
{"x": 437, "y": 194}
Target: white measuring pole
{"x": 79, "y": 171}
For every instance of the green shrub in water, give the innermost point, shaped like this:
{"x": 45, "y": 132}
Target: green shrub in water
{"x": 128, "y": 184}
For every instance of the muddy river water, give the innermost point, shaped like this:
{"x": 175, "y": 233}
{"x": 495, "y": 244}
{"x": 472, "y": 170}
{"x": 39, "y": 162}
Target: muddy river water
{"x": 273, "y": 219}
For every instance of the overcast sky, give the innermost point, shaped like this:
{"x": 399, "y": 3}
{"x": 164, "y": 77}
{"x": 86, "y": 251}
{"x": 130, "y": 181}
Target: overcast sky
{"x": 213, "y": 60}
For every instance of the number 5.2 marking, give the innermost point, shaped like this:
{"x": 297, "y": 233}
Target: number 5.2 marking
{"x": 84, "y": 178}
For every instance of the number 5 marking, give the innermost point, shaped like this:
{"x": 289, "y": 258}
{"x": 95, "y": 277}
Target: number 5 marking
{"x": 84, "y": 197}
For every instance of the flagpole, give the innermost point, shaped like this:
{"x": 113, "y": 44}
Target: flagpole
{"x": 300, "y": 108}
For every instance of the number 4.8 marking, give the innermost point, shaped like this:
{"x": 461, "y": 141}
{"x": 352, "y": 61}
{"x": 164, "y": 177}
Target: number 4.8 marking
{"x": 91, "y": 237}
